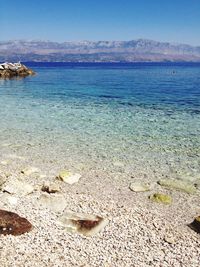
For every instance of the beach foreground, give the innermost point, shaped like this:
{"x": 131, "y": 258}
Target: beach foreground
{"x": 139, "y": 233}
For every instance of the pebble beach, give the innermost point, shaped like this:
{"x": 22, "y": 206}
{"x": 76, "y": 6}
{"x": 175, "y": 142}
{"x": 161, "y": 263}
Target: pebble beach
{"x": 109, "y": 144}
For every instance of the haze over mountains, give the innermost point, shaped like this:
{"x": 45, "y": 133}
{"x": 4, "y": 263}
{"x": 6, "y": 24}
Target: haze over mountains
{"x": 97, "y": 51}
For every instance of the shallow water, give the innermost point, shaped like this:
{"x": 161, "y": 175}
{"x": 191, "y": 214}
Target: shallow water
{"x": 139, "y": 120}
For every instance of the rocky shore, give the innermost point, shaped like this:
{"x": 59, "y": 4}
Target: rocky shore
{"x": 11, "y": 70}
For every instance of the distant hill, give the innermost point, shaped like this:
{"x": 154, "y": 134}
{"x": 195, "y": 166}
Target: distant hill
{"x": 100, "y": 51}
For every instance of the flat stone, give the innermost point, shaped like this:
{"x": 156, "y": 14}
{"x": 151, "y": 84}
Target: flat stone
{"x": 12, "y": 223}
{"x": 195, "y": 225}
{"x": 55, "y": 202}
{"x": 85, "y": 224}
{"x": 68, "y": 177}
{"x": 18, "y": 187}
{"x": 139, "y": 187}
{"x": 179, "y": 185}
{"x": 161, "y": 198}
{"x": 29, "y": 170}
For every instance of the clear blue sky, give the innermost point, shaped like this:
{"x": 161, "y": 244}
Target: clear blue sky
{"x": 63, "y": 20}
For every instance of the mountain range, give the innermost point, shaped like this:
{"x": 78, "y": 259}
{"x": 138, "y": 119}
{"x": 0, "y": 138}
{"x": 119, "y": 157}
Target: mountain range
{"x": 141, "y": 50}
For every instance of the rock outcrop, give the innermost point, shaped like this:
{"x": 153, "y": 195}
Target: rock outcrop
{"x": 11, "y": 70}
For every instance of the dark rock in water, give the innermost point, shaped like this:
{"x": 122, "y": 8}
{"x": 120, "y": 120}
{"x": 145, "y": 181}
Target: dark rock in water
{"x": 195, "y": 225}
{"x": 11, "y": 223}
{"x": 9, "y": 70}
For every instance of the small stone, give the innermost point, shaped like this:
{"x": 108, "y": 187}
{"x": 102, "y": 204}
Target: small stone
{"x": 12, "y": 223}
{"x": 50, "y": 188}
{"x": 161, "y": 198}
{"x": 68, "y": 177}
{"x": 29, "y": 170}
{"x": 85, "y": 224}
{"x": 195, "y": 225}
{"x": 55, "y": 202}
{"x": 170, "y": 239}
{"x": 179, "y": 185}
{"x": 18, "y": 187}
{"x": 138, "y": 187}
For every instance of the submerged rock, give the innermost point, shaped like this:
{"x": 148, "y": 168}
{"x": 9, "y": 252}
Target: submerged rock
{"x": 55, "y": 202}
{"x": 84, "y": 224}
{"x": 195, "y": 225}
{"x": 12, "y": 223}
{"x": 179, "y": 185}
{"x": 50, "y": 188}
{"x": 18, "y": 187}
{"x": 9, "y": 199}
{"x": 68, "y": 177}
{"x": 139, "y": 187}
{"x": 29, "y": 170}
{"x": 161, "y": 198}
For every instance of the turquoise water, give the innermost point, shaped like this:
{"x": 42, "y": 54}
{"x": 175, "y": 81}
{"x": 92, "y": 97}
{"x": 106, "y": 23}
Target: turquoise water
{"x": 138, "y": 120}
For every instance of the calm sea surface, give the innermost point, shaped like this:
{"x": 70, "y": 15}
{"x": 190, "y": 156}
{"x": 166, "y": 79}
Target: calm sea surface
{"x": 128, "y": 119}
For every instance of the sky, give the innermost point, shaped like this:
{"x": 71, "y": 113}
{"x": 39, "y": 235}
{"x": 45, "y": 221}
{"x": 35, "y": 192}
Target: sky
{"x": 72, "y": 20}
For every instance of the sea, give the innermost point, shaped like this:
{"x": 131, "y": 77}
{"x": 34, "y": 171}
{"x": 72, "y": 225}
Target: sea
{"x": 122, "y": 120}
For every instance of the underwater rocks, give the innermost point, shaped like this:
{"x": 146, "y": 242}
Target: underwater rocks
{"x": 68, "y": 177}
{"x": 138, "y": 187}
{"x": 11, "y": 70}
{"x": 179, "y": 185}
{"x": 50, "y": 188}
{"x": 85, "y": 224}
{"x": 29, "y": 170}
{"x": 18, "y": 187}
{"x": 161, "y": 198}
{"x": 55, "y": 202}
{"x": 6, "y": 198}
{"x": 12, "y": 223}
